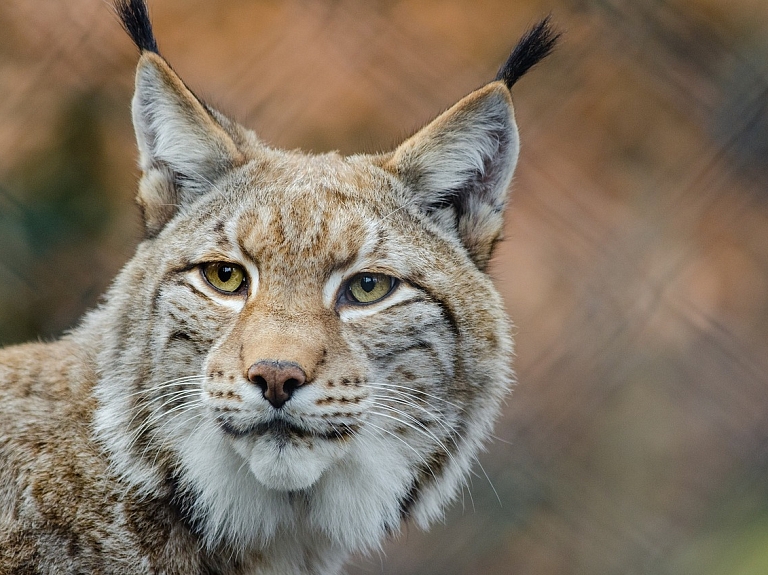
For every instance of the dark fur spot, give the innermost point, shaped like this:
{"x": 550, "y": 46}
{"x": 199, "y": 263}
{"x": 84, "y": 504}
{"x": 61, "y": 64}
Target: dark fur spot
{"x": 404, "y": 303}
{"x": 323, "y": 358}
{"x": 342, "y": 432}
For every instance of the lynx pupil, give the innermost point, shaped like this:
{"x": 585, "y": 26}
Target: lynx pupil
{"x": 225, "y": 273}
{"x": 368, "y": 282}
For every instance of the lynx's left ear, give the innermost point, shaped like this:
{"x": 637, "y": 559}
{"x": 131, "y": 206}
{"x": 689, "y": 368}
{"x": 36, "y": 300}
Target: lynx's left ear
{"x": 460, "y": 165}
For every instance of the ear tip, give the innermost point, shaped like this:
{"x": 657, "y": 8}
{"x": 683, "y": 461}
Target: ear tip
{"x": 533, "y": 47}
{"x": 134, "y": 16}
{"x": 152, "y": 67}
{"x": 151, "y": 59}
{"x": 495, "y": 98}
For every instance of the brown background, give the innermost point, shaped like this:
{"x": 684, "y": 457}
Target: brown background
{"x": 635, "y": 266}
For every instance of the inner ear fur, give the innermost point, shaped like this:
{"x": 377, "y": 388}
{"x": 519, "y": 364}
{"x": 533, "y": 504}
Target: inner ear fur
{"x": 183, "y": 146}
{"x": 458, "y": 168}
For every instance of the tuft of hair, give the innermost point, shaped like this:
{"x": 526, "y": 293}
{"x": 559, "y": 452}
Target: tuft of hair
{"x": 134, "y": 17}
{"x": 532, "y": 48}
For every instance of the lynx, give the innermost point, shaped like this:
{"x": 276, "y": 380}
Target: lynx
{"x": 305, "y": 352}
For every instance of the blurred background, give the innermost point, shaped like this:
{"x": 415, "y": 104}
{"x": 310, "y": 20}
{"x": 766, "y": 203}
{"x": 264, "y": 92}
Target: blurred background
{"x": 635, "y": 265}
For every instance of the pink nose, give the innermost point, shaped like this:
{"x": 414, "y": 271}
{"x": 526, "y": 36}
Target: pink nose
{"x": 277, "y": 379}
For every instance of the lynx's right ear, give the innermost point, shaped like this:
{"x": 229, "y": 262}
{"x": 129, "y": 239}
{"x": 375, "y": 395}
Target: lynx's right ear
{"x": 183, "y": 148}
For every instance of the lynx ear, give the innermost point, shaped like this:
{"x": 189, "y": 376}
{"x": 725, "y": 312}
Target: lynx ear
{"x": 183, "y": 149}
{"x": 459, "y": 168}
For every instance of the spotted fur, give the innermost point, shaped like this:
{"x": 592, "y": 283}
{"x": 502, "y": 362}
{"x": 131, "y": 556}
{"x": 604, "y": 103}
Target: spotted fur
{"x": 138, "y": 443}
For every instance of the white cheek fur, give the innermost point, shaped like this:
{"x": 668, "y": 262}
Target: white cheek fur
{"x": 233, "y": 302}
{"x": 402, "y": 292}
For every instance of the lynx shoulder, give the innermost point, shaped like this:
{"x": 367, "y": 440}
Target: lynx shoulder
{"x": 304, "y": 352}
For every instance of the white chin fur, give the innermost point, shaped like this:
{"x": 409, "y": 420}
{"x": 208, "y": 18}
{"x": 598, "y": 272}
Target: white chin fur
{"x": 285, "y": 467}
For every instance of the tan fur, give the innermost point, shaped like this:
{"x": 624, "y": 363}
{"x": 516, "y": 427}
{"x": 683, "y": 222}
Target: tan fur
{"x": 137, "y": 443}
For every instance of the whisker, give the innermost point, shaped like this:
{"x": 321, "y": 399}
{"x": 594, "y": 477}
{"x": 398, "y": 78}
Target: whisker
{"x": 182, "y": 410}
{"x": 496, "y": 493}
{"x": 497, "y": 438}
{"x": 421, "y": 429}
{"x": 442, "y": 424}
{"x": 434, "y": 416}
{"x": 186, "y": 380}
{"x": 383, "y": 385}
{"x": 401, "y": 440}
{"x": 155, "y": 414}
{"x": 189, "y": 435}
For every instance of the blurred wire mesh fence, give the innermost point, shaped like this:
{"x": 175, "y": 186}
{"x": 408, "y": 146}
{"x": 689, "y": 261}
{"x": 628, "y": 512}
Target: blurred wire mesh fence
{"x": 636, "y": 264}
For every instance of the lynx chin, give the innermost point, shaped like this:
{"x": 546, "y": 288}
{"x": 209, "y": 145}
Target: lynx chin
{"x": 305, "y": 351}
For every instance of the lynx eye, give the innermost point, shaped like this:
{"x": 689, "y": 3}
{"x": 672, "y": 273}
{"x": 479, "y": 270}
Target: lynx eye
{"x": 224, "y": 276}
{"x": 369, "y": 287}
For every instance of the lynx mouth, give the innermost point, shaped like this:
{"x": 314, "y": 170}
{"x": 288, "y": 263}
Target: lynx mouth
{"x": 284, "y": 431}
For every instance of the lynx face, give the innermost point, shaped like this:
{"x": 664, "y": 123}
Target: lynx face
{"x": 305, "y": 326}
{"x": 305, "y": 346}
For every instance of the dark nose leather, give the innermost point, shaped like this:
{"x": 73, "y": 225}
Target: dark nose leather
{"x": 277, "y": 379}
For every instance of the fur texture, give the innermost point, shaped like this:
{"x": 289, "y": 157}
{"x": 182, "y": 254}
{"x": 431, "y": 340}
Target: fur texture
{"x": 142, "y": 443}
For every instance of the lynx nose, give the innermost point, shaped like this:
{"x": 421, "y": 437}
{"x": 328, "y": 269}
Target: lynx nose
{"x": 277, "y": 379}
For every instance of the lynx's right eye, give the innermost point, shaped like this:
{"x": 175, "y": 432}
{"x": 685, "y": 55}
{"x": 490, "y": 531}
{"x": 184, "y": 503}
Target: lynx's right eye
{"x": 224, "y": 276}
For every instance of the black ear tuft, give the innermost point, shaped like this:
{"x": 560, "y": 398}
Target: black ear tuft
{"x": 134, "y": 17}
{"x": 536, "y": 45}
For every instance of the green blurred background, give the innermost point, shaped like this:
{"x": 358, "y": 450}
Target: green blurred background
{"x": 635, "y": 266}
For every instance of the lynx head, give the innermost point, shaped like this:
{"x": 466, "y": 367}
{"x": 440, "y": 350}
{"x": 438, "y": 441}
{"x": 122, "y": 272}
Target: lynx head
{"x": 303, "y": 342}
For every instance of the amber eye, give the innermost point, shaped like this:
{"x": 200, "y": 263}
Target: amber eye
{"x": 369, "y": 287}
{"x": 225, "y": 277}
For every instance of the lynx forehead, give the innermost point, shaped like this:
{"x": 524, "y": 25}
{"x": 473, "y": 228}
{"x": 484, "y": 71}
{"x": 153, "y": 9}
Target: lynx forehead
{"x": 304, "y": 352}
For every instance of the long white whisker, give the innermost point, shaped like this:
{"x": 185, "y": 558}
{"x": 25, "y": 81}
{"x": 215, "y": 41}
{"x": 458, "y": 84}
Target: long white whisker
{"x": 155, "y": 414}
{"x": 157, "y": 451}
{"x": 162, "y": 400}
{"x": 496, "y": 493}
{"x": 401, "y": 440}
{"x": 434, "y": 417}
{"x": 449, "y": 432}
{"x": 186, "y": 380}
{"x": 421, "y": 427}
{"x": 411, "y": 390}
{"x": 164, "y": 421}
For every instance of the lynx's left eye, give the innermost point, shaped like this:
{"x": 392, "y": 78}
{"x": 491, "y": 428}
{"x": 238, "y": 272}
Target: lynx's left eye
{"x": 224, "y": 276}
{"x": 369, "y": 287}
